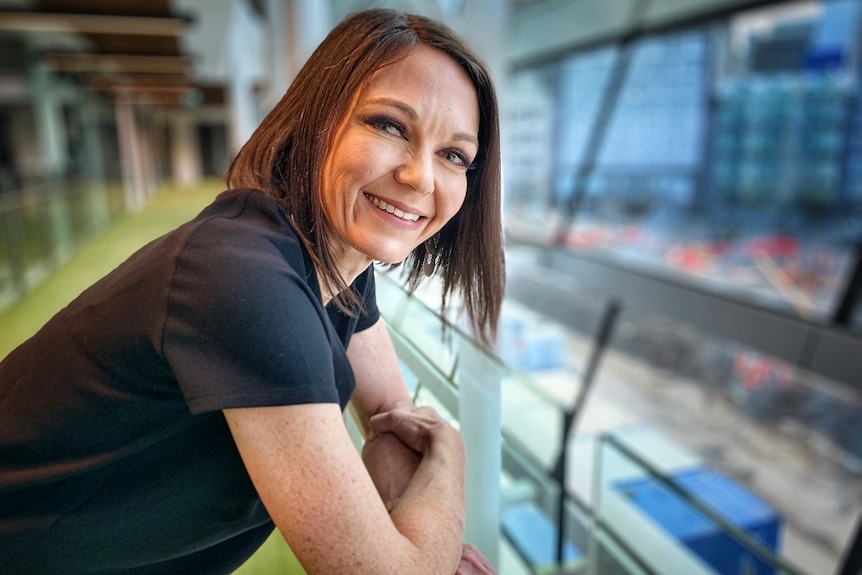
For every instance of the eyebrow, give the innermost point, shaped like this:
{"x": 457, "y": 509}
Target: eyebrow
{"x": 411, "y": 113}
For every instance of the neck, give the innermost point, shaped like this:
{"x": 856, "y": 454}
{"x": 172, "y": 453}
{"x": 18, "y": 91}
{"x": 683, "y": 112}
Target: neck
{"x": 347, "y": 270}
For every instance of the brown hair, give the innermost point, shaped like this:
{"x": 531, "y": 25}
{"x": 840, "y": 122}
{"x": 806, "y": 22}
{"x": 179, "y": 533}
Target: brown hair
{"x": 285, "y": 155}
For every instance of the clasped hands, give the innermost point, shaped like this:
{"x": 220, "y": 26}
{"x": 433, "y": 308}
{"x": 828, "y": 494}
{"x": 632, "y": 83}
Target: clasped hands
{"x": 393, "y": 456}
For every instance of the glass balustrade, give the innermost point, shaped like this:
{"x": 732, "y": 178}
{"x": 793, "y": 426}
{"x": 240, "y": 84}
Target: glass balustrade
{"x": 41, "y": 225}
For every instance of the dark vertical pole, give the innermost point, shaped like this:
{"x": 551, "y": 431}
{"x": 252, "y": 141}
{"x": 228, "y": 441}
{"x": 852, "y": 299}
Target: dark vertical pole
{"x": 570, "y": 416}
{"x": 852, "y": 564}
{"x": 852, "y": 291}
{"x": 703, "y": 175}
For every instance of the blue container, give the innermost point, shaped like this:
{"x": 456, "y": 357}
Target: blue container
{"x": 729, "y": 499}
{"x": 534, "y": 536}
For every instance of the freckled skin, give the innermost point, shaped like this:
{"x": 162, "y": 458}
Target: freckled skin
{"x": 390, "y": 463}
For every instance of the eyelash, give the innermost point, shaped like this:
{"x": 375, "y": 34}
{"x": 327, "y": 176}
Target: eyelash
{"x": 462, "y": 159}
{"x": 383, "y": 124}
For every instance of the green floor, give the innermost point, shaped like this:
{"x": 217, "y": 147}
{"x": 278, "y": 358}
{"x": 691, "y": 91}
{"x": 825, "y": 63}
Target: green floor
{"x": 168, "y": 209}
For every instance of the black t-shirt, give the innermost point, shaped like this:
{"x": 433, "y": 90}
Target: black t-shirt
{"x": 114, "y": 454}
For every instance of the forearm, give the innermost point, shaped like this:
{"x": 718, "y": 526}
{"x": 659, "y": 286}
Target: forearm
{"x": 391, "y": 465}
{"x": 425, "y": 501}
{"x": 312, "y": 483}
{"x": 422, "y": 469}
{"x": 431, "y": 509}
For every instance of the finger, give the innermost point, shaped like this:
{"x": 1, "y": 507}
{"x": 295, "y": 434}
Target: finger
{"x": 413, "y": 428}
{"x": 473, "y": 562}
{"x": 403, "y": 424}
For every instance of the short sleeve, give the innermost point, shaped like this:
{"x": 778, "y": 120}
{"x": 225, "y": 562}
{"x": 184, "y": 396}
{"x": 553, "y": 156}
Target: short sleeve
{"x": 245, "y": 329}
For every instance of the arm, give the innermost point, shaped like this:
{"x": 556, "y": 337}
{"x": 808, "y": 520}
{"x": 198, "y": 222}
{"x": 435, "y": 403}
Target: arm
{"x": 315, "y": 488}
{"x": 379, "y": 384}
{"x": 380, "y": 388}
{"x": 390, "y": 462}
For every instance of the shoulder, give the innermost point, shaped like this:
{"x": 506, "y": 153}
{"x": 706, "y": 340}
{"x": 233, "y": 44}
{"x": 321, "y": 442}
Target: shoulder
{"x": 242, "y": 261}
{"x": 243, "y": 233}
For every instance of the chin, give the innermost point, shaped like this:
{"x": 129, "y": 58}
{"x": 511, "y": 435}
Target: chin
{"x": 389, "y": 256}
{"x": 390, "y": 261}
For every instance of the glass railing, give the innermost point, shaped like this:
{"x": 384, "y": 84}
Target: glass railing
{"x": 788, "y": 434}
{"x": 513, "y": 496}
{"x": 41, "y": 225}
{"x": 638, "y": 499}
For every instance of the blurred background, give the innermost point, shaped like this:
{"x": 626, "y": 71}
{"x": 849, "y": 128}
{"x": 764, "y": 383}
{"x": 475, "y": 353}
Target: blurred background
{"x": 682, "y": 200}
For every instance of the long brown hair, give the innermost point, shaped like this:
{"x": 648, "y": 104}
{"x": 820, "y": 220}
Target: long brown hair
{"x": 285, "y": 156}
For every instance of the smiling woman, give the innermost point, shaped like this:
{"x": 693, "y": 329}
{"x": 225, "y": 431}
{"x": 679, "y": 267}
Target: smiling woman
{"x": 191, "y": 402}
{"x": 397, "y": 169}
{"x": 286, "y": 155}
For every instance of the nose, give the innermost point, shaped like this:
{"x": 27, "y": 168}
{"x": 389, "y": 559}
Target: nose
{"x": 417, "y": 171}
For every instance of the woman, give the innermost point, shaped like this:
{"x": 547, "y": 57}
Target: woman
{"x": 191, "y": 401}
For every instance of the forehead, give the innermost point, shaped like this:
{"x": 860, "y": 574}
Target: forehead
{"x": 428, "y": 79}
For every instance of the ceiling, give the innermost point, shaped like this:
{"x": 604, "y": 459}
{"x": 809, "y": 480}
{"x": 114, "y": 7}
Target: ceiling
{"x": 171, "y": 52}
{"x": 131, "y": 49}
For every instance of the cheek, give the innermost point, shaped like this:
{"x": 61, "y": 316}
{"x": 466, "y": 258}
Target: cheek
{"x": 362, "y": 164}
{"x": 450, "y": 202}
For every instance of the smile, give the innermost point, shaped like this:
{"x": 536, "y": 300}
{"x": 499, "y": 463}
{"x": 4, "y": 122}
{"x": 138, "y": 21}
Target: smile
{"x": 390, "y": 209}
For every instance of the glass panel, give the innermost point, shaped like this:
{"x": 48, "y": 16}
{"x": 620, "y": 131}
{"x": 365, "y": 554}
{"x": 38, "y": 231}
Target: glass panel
{"x": 730, "y": 158}
{"x": 391, "y": 299}
{"x": 785, "y": 435}
{"x": 34, "y": 215}
{"x": 417, "y": 321}
{"x": 729, "y": 154}
{"x": 41, "y": 225}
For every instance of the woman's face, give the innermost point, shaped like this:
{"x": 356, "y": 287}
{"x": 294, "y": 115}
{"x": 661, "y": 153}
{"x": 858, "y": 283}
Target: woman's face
{"x": 397, "y": 168}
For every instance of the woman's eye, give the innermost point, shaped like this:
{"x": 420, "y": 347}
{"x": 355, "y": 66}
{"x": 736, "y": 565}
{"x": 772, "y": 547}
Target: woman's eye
{"x": 458, "y": 158}
{"x": 387, "y": 125}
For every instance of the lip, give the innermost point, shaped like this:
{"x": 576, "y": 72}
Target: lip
{"x": 399, "y": 205}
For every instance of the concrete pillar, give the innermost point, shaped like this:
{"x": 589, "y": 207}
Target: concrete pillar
{"x": 94, "y": 162}
{"x": 154, "y": 141}
{"x": 295, "y": 29}
{"x": 49, "y": 122}
{"x": 144, "y": 128}
{"x": 131, "y": 163}
{"x": 94, "y": 159}
{"x": 280, "y": 65}
{"x": 484, "y": 24}
{"x": 310, "y": 23}
{"x": 246, "y": 65}
{"x": 186, "y": 165}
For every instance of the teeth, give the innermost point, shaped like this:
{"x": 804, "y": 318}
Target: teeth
{"x": 390, "y": 209}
